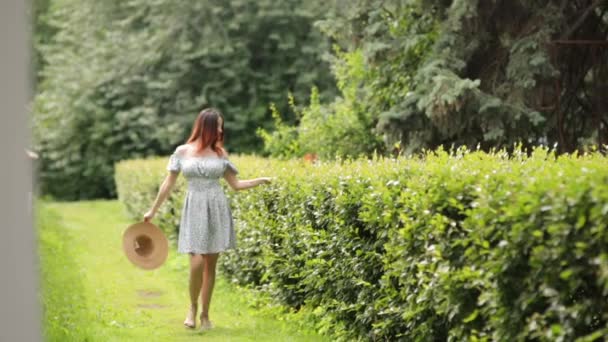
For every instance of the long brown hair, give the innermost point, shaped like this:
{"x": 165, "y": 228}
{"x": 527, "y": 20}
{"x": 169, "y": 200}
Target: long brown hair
{"x": 204, "y": 131}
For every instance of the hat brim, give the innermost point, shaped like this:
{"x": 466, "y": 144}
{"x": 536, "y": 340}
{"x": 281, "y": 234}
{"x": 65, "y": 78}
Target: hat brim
{"x": 145, "y": 245}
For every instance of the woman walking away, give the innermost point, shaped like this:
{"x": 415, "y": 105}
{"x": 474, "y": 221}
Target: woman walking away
{"x": 206, "y": 225}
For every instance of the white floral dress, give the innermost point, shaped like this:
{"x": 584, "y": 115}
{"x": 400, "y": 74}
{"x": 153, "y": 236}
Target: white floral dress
{"x": 206, "y": 224}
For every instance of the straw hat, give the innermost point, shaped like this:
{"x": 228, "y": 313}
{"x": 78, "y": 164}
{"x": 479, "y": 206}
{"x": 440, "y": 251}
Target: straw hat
{"x": 145, "y": 245}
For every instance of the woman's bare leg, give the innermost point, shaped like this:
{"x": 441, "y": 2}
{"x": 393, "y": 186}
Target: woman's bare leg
{"x": 209, "y": 261}
{"x": 196, "y": 273}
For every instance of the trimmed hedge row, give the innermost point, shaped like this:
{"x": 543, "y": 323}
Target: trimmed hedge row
{"x": 137, "y": 183}
{"x": 461, "y": 246}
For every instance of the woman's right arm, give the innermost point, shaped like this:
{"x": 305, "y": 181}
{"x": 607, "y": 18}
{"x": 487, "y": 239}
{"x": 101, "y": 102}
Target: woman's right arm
{"x": 163, "y": 193}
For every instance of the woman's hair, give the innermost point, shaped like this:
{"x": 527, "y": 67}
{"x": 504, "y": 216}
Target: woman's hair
{"x": 205, "y": 132}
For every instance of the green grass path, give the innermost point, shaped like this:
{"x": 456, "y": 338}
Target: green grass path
{"x": 90, "y": 291}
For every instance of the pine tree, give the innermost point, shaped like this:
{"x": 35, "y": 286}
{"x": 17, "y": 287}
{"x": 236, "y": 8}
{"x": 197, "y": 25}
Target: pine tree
{"x": 480, "y": 73}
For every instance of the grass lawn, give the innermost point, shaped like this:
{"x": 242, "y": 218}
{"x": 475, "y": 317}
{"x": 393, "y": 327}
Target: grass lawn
{"x": 91, "y": 292}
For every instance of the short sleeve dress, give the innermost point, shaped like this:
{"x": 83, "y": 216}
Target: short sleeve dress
{"x": 206, "y": 224}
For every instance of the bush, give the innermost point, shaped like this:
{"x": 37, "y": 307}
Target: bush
{"x": 137, "y": 184}
{"x": 341, "y": 129}
{"x": 450, "y": 246}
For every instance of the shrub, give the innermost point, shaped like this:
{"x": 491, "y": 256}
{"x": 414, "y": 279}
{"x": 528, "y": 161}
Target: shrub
{"x": 341, "y": 129}
{"x": 138, "y": 182}
{"x": 450, "y": 246}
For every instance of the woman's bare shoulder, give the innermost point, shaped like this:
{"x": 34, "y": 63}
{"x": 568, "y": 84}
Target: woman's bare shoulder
{"x": 182, "y": 150}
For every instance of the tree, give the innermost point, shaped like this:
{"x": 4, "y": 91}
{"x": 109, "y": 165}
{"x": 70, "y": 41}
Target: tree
{"x": 126, "y": 79}
{"x": 479, "y": 73}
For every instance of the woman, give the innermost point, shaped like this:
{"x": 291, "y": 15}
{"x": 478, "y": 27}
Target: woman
{"x": 206, "y": 226}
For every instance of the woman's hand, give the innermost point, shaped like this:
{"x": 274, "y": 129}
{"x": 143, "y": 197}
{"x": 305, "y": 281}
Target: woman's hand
{"x": 266, "y": 180}
{"x": 149, "y": 215}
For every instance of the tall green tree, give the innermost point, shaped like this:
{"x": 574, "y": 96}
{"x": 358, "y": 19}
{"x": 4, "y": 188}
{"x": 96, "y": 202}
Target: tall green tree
{"x": 126, "y": 79}
{"x": 40, "y": 33}
{"x": 471, "y": 72}
{"x": 490, "y": 77}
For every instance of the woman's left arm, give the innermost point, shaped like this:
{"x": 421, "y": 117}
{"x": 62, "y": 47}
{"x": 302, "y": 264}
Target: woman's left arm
{"x": 237, "y": 184}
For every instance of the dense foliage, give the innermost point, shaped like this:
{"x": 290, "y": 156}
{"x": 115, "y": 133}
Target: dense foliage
{"x": 41, "y": 33}
{"x": 126, "y": 79}
{"x": 465, "y": 246}
{"x": 464, "y": 72}
{"x": 490, "y": 76}
{"x": 343, "y": 128}
{"x": 137, "y": 184}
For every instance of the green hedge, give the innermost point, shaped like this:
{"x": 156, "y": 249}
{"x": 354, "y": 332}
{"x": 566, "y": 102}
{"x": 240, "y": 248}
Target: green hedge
{"x": 461, "y": 246}
{"x": 137, "y": 183}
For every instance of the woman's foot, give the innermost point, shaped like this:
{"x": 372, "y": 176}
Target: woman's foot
{"x": 190, "y": 321}
{"x": 206, "y": 324}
